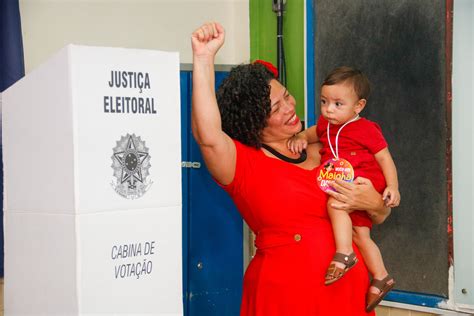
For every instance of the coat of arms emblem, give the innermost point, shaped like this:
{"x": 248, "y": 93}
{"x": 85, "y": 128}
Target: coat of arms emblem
{"x": 130, "y": 162}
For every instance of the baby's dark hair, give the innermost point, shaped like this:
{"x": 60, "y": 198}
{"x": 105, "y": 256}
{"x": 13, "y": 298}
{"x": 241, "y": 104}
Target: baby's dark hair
{"x": 357, "y": 78}
{"x": 244, "y": 103}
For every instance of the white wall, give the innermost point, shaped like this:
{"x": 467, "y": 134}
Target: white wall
{"x": 463, "y": 147}
{"x": 49, "y": 25}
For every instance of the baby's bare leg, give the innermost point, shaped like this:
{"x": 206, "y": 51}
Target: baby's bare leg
{"x": 370, "y": 252}
{"x": 342, "y": 229}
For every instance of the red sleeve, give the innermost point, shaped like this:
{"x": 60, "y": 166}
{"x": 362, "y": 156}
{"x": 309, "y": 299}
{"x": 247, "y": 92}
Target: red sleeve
{"x": 242, "y": 168}
{"x": 374, "y": 139}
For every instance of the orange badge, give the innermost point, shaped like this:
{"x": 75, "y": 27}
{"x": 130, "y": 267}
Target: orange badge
{"x": 334, "y": 169}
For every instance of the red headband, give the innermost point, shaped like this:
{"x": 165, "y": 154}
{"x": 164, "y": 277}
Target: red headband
{"x": 268, "y": 65}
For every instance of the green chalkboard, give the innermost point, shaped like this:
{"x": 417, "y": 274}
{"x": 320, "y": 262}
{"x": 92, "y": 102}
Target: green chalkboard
{"x": 400, "y": 45}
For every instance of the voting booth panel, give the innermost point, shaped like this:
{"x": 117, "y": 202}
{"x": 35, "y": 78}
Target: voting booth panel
{"x": 140, "y": 104}
{"x": 40, "y": 264}
{"x": 81, "y": 110}
{"x": 136, "y": 266}
{"x": 93, "y": 185}
{"x": 37, "y": 140}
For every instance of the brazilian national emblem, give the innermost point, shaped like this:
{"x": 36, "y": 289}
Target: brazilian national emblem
{"x": 130, "y": 162}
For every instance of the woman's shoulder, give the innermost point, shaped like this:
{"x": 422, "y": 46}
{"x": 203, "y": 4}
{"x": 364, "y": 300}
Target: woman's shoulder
{"x": 313, "y": 153}
{"x": 314, "y": 148}
{"x": 241, "y": 147}
{"x": 246, "y": 156}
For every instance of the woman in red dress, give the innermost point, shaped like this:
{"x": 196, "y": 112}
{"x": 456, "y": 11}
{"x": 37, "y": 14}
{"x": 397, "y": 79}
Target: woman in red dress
{"x": 244, "y": 144}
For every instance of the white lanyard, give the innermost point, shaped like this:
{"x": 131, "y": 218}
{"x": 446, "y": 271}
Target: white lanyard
{"x": 336, "y": 154}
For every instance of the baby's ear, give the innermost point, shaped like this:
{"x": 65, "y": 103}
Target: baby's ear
{"x": 360, "y": 105}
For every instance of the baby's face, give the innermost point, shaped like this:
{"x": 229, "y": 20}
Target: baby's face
{"x": 339, "y": 103}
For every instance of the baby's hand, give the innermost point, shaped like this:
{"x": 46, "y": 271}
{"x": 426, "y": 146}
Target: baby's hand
{"x": 391, "y": 196}
{"x": 297, "y": 143}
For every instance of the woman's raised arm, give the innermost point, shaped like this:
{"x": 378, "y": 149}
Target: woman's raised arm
{"x": 360, "y": 195}
{"x": 217, "y": 147}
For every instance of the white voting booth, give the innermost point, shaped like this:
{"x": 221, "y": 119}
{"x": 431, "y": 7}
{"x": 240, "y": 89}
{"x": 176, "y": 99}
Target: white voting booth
{"x": 92, "y": 167}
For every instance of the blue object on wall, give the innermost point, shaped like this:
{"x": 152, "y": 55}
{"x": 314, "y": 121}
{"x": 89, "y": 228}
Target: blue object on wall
{"x": 11, "y": 69}
{"x": 185, "y": 86}
{"x": 11, "y": 46}
{"x": 420, "y": 299}
{"x": 212, "y": 230}
{"x": 310, "y": 88}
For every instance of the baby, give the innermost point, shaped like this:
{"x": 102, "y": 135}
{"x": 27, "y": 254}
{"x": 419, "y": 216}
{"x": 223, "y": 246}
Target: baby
{"x": 345, "y": 135}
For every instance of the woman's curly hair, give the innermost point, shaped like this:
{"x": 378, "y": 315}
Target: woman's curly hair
{"x": 244, "y": 102}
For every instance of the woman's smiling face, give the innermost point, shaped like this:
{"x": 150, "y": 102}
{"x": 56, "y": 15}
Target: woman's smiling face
{"x": 283, "y": 122}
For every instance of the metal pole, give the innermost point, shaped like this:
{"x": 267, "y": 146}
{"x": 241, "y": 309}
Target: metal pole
{"x": 279, "y": 7}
